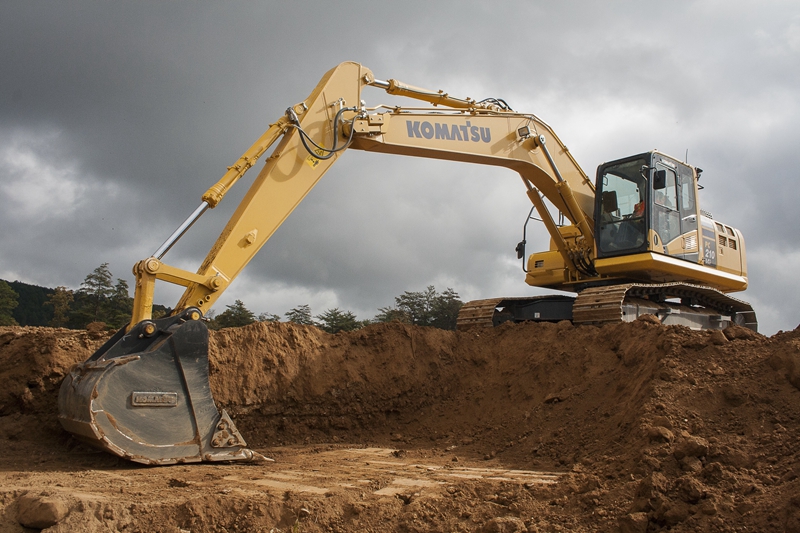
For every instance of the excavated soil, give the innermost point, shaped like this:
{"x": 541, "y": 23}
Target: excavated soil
{"x": 525, "y": 428}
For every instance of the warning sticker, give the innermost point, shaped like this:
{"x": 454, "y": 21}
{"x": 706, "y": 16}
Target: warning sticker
{"x": 313, "y": 161}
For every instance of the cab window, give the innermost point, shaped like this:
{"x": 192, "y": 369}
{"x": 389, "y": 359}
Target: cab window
{"x": 623, "y": 190}
{"x": 668, "y": 195}
{"x": 666, "y": 220}
{"x": 687, "y": 192}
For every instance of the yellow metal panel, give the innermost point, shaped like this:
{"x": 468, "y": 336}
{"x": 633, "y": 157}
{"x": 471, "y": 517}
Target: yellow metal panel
{"x": 487, "y": 140}
{"x": 662, "y": 268}
{"x": 547, "y": 269}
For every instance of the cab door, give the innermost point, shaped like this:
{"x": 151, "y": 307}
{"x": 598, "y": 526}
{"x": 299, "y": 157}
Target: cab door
{"x": 687, "y": 208}
{"x": 674, "y": 213}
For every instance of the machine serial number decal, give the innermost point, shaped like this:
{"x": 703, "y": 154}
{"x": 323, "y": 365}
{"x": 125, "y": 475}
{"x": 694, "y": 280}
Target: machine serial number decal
{"x": 448, "y": 132}
{"x": 154, "y": 399}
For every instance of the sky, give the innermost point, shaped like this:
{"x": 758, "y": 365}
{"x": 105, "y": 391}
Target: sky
{"x": 115, "y": 117}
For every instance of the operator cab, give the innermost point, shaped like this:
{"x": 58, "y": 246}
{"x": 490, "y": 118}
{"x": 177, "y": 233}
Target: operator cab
{"x": 645, "y": 203}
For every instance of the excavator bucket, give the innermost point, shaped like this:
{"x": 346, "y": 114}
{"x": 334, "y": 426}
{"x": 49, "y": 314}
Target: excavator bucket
{"x": 145, "y": 396}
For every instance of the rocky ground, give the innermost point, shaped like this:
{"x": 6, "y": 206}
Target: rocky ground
{"x": 525, "y": 428}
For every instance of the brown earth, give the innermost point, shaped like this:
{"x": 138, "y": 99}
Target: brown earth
{"x": 525, "y": 428}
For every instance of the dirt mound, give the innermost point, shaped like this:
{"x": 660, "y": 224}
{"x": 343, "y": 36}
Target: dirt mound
{"x": 33, "y": 362}
{"x": 645, "y": 428}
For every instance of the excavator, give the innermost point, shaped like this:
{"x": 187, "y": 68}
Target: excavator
{"x": 633, "y": 241}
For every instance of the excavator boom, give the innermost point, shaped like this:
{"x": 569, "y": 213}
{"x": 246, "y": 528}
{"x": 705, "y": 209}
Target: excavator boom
{"x": 316, "y": 131}
{"x": 145, "y": 395}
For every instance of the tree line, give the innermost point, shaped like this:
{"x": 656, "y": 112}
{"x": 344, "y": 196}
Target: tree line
{"x": 102, "y": 299}
{"x": 99, "y": 299}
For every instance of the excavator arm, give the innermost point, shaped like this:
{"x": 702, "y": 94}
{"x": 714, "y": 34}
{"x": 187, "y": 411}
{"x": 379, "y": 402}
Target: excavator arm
{"x": 314, "y": 133}
{"x": 289, "y": 174}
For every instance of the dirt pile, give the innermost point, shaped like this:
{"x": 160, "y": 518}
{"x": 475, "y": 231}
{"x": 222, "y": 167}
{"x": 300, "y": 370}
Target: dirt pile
{"x": 399, "y": 428}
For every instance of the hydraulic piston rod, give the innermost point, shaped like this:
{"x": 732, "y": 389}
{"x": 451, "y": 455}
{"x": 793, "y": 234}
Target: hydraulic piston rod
{"x": 178, "y": 233}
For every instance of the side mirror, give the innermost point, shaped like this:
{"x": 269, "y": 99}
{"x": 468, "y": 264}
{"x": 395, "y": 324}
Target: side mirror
{"x": 520, "y": 249}
{"x": 660, "y": 179}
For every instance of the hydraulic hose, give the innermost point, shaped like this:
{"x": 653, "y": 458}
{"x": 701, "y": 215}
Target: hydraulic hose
{"x": 305, "y": 138}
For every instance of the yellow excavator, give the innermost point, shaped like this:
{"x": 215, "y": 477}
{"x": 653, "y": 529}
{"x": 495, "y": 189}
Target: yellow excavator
{"x": 633, "y": 241}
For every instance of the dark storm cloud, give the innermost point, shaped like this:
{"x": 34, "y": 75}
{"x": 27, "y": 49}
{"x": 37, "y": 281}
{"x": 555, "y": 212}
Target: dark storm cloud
{"x": 115, "y": 118}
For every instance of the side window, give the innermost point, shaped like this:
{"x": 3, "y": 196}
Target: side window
{"x": 687, "y": 193}
{"x": 668, "y": 196}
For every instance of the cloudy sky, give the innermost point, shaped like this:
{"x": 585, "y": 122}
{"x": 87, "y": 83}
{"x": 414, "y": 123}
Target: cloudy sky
{"x": 115, "y": 117}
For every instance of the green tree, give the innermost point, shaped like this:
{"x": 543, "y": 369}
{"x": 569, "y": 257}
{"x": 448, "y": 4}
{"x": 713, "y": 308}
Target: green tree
{"x": 120, "y": 305}
{"x": 390, "y": 314}
{"x": 60, "y": 300}
{"x": 301, "y": 315}
{"x": 335, "y": 320}
{"x": 445, "y": 309}
{"x": 418, "y": 304}
{"x": 424, "y": 308}
{"x": 92, "y": 299}
{"x": 269, "y": 317}
{"x": 234, "y": 316}
{"x": 8, "y": 301}
{"x": 31, "y": 310}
